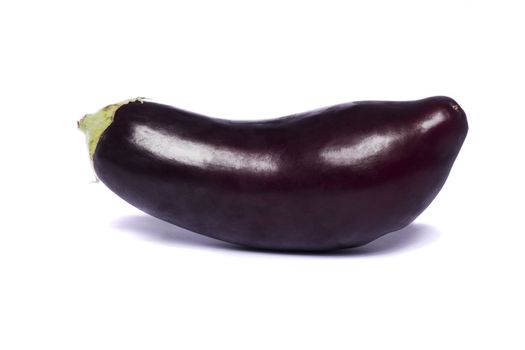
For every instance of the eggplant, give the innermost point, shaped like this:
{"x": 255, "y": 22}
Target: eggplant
{"x": 332, "y": 178}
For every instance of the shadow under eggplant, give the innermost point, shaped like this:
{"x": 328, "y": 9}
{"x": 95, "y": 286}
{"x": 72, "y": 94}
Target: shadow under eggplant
{"x": 411, "y": 237}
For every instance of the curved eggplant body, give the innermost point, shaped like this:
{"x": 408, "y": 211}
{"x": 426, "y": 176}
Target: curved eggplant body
{"x": 332, "y": 178}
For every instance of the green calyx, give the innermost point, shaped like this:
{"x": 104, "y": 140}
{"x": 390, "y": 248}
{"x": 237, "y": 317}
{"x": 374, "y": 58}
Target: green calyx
{"x": 93, "y": 125}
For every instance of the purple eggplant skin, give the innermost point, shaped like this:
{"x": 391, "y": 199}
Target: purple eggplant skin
{"x": 332, "y": 178}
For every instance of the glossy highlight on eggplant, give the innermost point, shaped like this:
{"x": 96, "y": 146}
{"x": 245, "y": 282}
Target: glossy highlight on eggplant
{"x": 332, "y": 178}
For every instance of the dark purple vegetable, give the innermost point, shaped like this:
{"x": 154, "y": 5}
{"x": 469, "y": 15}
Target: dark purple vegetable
{"x": 332, "y": 178}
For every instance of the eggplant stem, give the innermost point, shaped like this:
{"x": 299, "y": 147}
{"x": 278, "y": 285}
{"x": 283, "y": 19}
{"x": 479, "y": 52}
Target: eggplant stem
{"x": 94, "y": 125}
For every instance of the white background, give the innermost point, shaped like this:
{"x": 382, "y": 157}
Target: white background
{"x": 81, "y": 269}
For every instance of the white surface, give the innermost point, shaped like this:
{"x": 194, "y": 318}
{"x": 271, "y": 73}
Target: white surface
{"x": 81, "y": 269}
